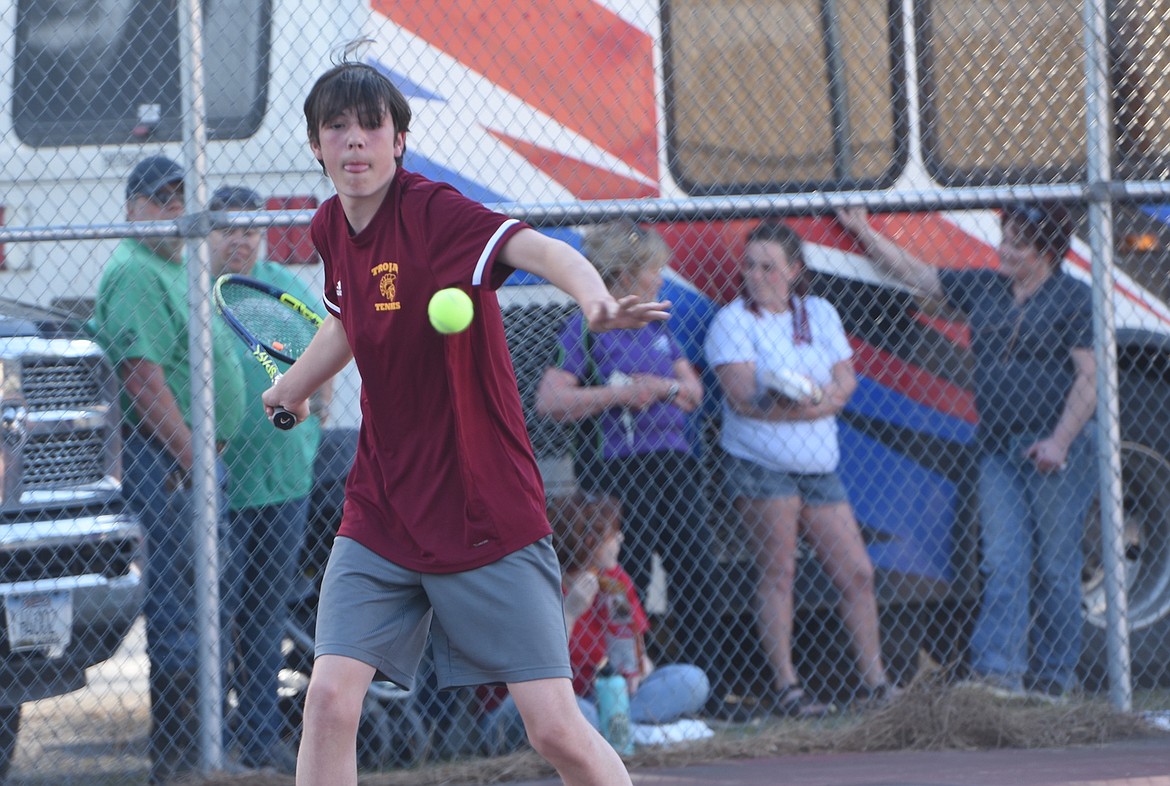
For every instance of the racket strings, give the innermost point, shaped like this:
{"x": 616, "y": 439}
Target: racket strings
{"x": 272, "y": 323}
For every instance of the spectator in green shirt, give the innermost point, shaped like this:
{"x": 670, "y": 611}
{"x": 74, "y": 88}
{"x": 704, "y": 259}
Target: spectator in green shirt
{"x": 270, "y": 475}
{"x": 141, "y": 318}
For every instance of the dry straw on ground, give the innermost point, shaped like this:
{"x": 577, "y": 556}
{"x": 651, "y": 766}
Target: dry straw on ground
{"x": 929, "y": 715}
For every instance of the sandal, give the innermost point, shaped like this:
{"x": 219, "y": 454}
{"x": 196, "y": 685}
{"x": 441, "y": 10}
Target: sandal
{"x": 792, "y": 701}
{"x": 876, "y": 697}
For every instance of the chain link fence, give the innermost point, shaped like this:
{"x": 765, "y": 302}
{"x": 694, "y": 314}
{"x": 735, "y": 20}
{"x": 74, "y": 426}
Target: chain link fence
{"x": 839, "y": 535}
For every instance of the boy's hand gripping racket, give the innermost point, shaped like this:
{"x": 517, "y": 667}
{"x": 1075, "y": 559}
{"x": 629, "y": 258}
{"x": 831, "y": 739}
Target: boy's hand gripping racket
{"x": 274, "y": 325}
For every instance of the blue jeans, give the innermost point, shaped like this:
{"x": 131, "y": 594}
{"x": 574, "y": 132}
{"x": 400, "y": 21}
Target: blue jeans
{"x": 172, "y": 638}
{"x": 669, "y": 693}
{"x": 1029, "y": 624}
{"x": 262, "y": 547}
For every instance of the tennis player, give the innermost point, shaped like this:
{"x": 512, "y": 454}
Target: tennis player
{"x": 444, "y": 528}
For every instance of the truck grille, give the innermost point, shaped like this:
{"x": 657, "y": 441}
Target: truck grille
{"x": 62, "y": 383}
{"x": 54, "y": 460}
{"x": 67, "y": 392}
{"x": 110, "y": 558}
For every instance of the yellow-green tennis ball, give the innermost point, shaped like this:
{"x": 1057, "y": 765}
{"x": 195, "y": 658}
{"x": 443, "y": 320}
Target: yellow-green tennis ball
{"x": 450, "y": 310}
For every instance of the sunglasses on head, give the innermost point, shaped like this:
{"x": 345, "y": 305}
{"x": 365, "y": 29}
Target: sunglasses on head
{"x": 1032, "y": 214}
{"x": 637, "y": 234}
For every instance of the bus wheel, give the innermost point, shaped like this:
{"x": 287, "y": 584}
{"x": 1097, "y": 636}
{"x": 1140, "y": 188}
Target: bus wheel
{"x": 1145, "y": 476}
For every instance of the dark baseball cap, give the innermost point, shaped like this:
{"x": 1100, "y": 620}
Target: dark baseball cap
{"x": 235, "y": 198}
{"x": 1048, "y": 225}
{"x": 150, "y": 175}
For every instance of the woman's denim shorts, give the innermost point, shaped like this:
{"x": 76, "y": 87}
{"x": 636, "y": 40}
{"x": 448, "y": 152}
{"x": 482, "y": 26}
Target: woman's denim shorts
{"x": 745, "y": 478}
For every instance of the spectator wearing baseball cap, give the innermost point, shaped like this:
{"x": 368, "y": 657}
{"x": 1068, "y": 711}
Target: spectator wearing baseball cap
{"x": 1047, "y": 226}
{"x": 151, "y": 175}
{"x": 1032, "y": 343}
{"x": 235, "y": 198}
{"x": 141, "y": 318}
{"x": 269, "y": 480}
{"x": 154, "y": 192}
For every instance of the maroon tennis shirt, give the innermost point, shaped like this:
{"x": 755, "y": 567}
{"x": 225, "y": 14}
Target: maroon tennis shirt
{"x": 444, "y": 479}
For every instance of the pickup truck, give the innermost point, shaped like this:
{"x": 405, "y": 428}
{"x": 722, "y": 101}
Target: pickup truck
{"x": 70, "y": 550}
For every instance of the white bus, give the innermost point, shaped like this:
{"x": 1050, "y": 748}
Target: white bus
{"x": 697, "y": 115}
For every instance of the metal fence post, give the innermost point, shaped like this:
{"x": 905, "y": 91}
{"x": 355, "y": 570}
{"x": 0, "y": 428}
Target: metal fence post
{"x": 210, "y": 704}
{"x": 1097, "y": 152}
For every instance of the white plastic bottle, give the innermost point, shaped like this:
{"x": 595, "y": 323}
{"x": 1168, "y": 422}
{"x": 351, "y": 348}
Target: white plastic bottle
{"x": 623, "y": 643}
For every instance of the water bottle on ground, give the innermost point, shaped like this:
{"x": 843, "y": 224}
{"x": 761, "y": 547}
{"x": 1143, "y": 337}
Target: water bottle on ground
{"x": 613, "y": 708}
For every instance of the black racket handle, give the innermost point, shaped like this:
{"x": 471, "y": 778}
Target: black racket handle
{"x": 283, "y": 419}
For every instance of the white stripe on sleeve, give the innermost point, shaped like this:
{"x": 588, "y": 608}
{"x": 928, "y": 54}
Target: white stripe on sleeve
{"x": 477, "y": 276}
{"x": 329, "y": 304}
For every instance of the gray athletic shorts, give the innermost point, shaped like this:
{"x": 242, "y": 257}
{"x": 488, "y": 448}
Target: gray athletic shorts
{"x": 504, "y": 622}
{"x": 749, "y": 479}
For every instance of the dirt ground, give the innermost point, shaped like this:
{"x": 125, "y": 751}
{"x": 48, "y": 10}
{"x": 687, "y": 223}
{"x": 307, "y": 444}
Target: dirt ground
{"x": 930, "y": 716}
{"x": 95, "y": 737}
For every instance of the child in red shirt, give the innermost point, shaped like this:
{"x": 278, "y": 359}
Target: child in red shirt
{"x": 606, "y": 622}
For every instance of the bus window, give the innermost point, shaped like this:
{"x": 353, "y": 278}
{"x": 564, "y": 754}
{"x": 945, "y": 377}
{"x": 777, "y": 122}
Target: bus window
{"x": 107, "y": 71}
{"x": 1003, "y": 89}
{"x": 1003, "y": 94}
{"x": 782, "y": 96}
{"x": 1140, "y": 39}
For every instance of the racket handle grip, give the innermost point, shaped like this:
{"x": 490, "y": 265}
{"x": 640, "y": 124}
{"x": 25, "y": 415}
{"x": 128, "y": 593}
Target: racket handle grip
{"x": 283, "y": 419}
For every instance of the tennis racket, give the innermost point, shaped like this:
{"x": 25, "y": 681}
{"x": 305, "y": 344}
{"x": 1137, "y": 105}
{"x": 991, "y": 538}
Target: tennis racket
{"x": 271, "y": 322}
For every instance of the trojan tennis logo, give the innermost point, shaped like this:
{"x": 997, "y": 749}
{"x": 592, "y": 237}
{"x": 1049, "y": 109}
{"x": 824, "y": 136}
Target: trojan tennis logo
{"x": 387, "y": 275}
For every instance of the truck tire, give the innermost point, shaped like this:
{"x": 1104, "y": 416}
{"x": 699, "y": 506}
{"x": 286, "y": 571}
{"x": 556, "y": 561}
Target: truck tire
{"x": 9, "y": 727}
{"x": 1145, "y": 459}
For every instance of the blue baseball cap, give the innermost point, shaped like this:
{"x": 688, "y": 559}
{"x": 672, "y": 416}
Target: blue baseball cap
{"x": 235, "y": 198}
{"x": 150, "y": 175}
{"x": 1048, "y": 225}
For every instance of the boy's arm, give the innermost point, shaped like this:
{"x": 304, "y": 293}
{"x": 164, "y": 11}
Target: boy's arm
{"x": 563, "y": 266}
{"x": 326, "y": 355}
{"x": 320, "y": 402}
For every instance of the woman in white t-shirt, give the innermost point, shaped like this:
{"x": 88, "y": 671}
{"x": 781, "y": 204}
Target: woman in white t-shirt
{"x": 785, "y": 366}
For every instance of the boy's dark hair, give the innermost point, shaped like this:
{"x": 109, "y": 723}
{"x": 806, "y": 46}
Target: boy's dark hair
{"x": 359, "y": 87}
{"x": 1048, "y": 226}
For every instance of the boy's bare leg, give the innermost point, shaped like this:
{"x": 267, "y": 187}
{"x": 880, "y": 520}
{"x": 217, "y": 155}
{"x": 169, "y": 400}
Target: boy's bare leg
{"x": 333, "y": 707}
{"x": 559, "y": 732}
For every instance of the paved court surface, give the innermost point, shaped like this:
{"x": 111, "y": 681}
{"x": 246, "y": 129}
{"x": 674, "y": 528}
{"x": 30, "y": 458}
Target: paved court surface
{"x": 1143, "y": 762}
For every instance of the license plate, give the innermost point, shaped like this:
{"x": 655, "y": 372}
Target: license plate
{"x": 39, "y": 621}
